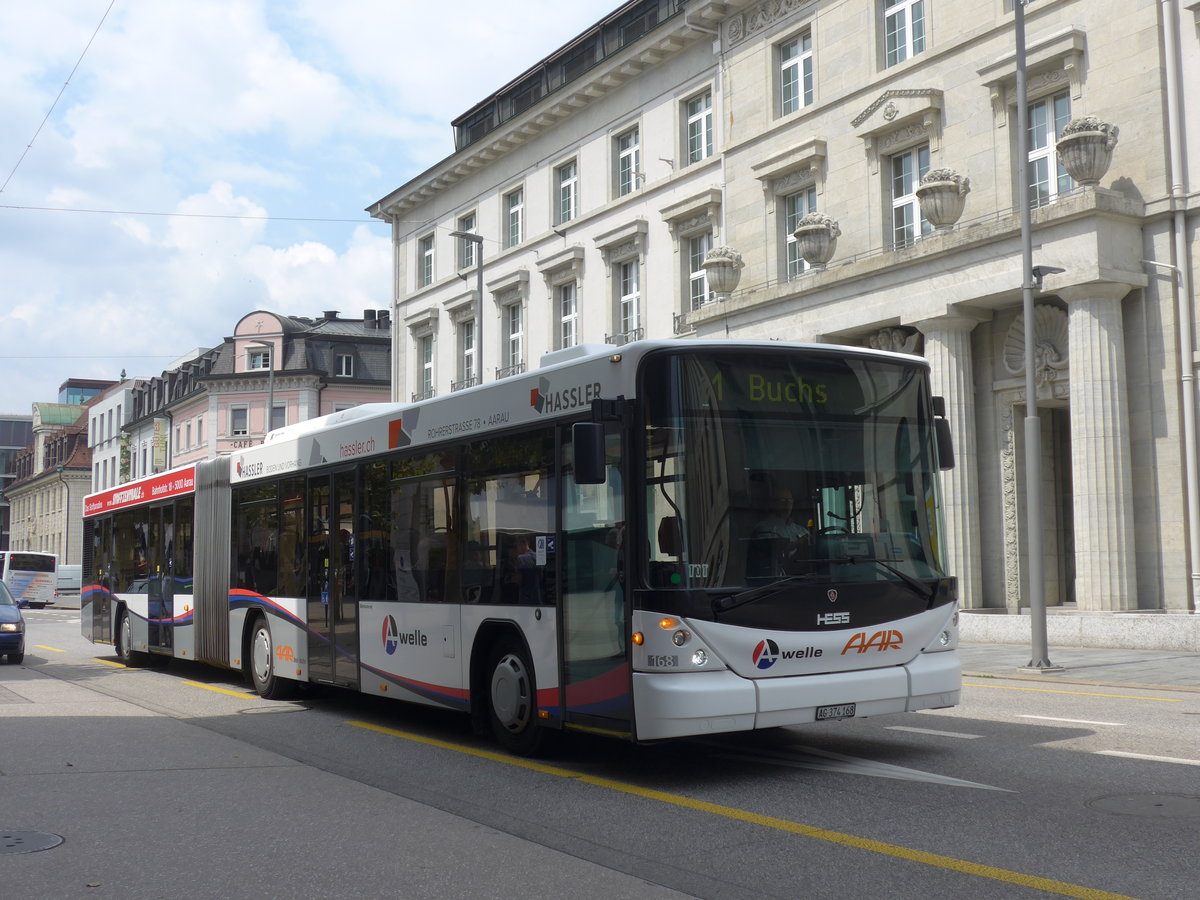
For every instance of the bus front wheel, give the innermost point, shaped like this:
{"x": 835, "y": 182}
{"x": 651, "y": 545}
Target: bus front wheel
{"x": 512, "y": 699}
{"x": 262, "y": 665}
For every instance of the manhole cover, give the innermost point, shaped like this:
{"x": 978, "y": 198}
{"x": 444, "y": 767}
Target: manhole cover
{"x": 1164, "y": 806}
{"x": 27, "y": 841}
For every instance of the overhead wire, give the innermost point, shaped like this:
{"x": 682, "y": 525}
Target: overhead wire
{"x": 61, "y": 91}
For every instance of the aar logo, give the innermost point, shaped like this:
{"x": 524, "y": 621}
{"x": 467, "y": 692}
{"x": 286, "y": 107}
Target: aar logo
{"x": 766, "y": 654}
{"x": 391, "y": 635}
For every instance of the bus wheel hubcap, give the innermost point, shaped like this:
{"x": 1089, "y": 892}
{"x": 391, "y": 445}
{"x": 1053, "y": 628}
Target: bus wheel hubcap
{"x": 510, "y": 693}
{"x": 262, "y": 655}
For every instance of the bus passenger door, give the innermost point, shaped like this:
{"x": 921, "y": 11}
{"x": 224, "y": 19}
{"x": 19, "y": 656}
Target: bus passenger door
{"x": 596, "y": 677}
{"x": 332, "y": 597}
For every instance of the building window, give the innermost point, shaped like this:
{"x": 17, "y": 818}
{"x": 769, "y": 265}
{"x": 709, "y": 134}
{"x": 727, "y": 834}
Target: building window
{"x": 188, "y": 435}
{"x": 568, "y": 315}
{"x": 200, "y": 430}
{"x": 425, "y": 355}
{"x": 239, "y": 421}
{"x": 466, "y": 353}
{"x": 513, "y": 337}
{"x": 466, "y": 249}
{"x": 903, "y": 28}
{"x": 278, "y": 416}
{"x": 699, "y": 127}
{"x": 795, "y": 207}
{"x": 425, "y": 261}
{"x": 258, "y": 360}
{"x": 514, "y": 211}
{"x": 906, "y": 171}
{"x": 629, "y": 161}
{"x": 1047, "y": 176}
{"x": 344, "y": 365}
{"x": 795, "y": 74}
{"x": 568, "y": 191}
{"x": 629, "y": 301}
{"x": 698, "y": 248}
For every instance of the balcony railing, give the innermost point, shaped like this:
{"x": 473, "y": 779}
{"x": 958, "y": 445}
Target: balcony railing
{"x": 624, "y": 337}
{"x": 509, "y": 371}
{"x": 465, "y": 383}
{"x": 680, "y": 323}
{"x": 424, "y": 395}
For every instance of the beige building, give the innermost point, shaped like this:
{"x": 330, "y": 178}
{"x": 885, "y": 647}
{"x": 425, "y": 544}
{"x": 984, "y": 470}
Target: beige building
{"x": 599, "y": 180}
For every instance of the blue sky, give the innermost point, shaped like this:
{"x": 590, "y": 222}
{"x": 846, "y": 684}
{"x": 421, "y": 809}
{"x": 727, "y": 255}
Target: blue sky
{"x": 234, "y": 117}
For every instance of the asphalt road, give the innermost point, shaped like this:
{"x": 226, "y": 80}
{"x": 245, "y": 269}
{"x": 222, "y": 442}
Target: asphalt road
{"x": 163, "y": 782}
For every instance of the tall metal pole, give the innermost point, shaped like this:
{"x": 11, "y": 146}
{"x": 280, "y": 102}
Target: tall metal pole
{"x": 271, "y": 392}
{"x": 1033, "y": 424}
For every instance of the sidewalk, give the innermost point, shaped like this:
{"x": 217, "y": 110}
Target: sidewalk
{"x": 1147, "y": 669}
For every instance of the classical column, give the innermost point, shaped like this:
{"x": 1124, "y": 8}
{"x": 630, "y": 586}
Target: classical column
{"x": 948, "y": 349}
{"x": 1101, "y": 466}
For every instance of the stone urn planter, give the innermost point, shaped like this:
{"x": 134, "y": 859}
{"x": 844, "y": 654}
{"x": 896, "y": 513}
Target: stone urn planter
{"x": 1086, "y": 148}
{"x": 942, "y": 194}
{"x": 723, "y": 266}
{"x": 816, "y": 236}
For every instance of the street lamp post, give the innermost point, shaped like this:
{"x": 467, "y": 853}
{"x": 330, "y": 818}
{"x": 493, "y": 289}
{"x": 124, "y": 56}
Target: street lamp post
{"x": 1040, "y": 657}
{"x": 270, "y": 384}
{"x": 477, "y": 240}
{"x": 66, "y": 517}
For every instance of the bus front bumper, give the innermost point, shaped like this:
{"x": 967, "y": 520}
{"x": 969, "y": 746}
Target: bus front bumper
{"x": 687, "y": 704}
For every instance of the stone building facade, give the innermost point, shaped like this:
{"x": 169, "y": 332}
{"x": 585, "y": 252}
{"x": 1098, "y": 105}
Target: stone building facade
{"x": 862, "y": 158}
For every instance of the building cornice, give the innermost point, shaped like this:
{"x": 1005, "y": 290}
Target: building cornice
{"x": 673, "y": 37}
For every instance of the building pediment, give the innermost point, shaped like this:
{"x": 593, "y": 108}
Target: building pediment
{"x": 898, "y": 119}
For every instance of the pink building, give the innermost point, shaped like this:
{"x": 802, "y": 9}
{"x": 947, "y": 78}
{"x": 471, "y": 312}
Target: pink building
{"x": 299, "y": 368}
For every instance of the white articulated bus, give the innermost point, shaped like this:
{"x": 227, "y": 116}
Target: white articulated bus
{"x": 30, "y": 576}
{"x": 651, "y": 541}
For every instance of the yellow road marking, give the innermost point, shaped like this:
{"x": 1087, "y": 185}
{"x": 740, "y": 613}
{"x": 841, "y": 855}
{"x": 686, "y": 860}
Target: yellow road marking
{"x": 51, "y": 649}
{"x": 242, "y": 695}
{"x": 109, "y": 662}
{"x": 1006, "y": 687}
{"x": 948, "y": 863}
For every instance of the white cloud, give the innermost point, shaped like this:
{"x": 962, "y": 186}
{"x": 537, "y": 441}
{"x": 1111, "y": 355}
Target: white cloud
{"x": 239, "y": 108}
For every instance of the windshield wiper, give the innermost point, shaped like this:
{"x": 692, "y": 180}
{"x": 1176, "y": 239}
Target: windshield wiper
{"x": 733, "y": 601}
{"x": 920, "y": 588}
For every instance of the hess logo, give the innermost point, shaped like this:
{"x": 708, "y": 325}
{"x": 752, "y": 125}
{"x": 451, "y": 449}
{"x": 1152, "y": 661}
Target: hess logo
{"x": 879, "y": 641}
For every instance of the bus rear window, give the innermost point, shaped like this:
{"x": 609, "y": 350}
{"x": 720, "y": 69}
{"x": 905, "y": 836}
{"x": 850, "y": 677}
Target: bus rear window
{"x": 31, "y": 562}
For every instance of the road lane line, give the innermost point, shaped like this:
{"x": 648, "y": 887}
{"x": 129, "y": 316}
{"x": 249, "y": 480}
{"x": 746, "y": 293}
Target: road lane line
{"x": 948, "y": 863}
{"x": 953, "y": 734}
{"x": 1149, "y": 758}
{"x": 109, "y": 662}
{"x": 1072, "y": 721}
{"x": 1008, "y": 687}
{"x": 51, "y": 649}
{"x": 241, "y": 695}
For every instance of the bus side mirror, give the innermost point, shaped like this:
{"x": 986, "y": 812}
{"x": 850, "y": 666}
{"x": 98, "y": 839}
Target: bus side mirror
{"x": 941, "y": 431}
{"x": 587, "y": 439}
{"x": 945, "y": 444}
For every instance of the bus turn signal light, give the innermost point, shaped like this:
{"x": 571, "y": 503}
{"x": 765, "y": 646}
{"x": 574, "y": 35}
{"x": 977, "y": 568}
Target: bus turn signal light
{"x": 638, "y": 638}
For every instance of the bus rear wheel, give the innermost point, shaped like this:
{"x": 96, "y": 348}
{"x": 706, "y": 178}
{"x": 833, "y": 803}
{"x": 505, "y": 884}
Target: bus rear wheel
{"x": 512, "y": 699}
{"x": 267, "y": 683}
{"x": 124, "y": 641}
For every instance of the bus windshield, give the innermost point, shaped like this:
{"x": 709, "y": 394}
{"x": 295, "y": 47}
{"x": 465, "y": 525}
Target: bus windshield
{"x": 779, "y": 466}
